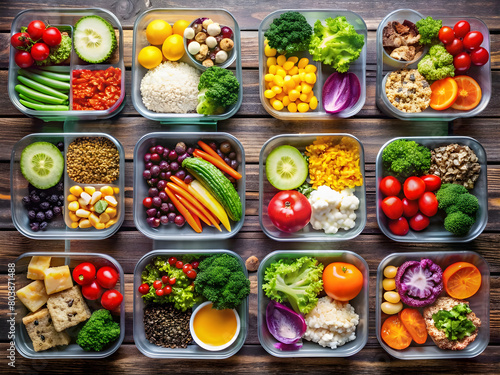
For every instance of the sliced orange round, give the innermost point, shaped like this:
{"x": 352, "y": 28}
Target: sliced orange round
{"x": 469, "y": 93}
{"x": 444, "y": 93}
{"x": 461, "y": 280}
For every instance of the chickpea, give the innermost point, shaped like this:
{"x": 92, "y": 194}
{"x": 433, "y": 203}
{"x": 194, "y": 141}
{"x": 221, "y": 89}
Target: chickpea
{"x": 226, "y": 44}
{"x": 208, "y": 63}
{"x": 390, "y": 272}
{"x": 201, "y": 37}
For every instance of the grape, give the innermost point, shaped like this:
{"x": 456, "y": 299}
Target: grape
{"x": 152, "y": 149}
{"x": 225, "y": 147}
{"x": 163, "y": 196}
{"x": 168, "y": 175}
{"x": 180, "y": 221}
{"x": 164, "y": 208}
{"x": 226, "y": 32}
{"x": 156, "y": 222}
{"x": 161, "y": 185}
{"x": 190, "y": 150}
{"x": 150, "y": 221}
{"x": 188, "y": 179}
{"x": 157, "y": 201}
{"x": 155, "y": 171}
{"x": 148, "y": 165}
{"x": 227, "y": 160}
{"x": 151, "y": 212}
{"x": 35, "y": 227}
{"x": 166, "y": 151}
{"x": 154, "y": 181}
{"x": 57, "y": 211}
{"x": 181, "y": 158}
{"x": 158, "y": 214}
{"x": 153, "y": 192}
{"x": 31, "y": 215}
{"x": 171, "y": 207}
{"x": 180, "y": 148}
{"x": 234, "y": 164}
{"x": 146, "y": 174}
{"x": 163, "y": 175}
{"x": 164, "y": 166}
{"x": 172, "y": 155}
{"x": 164, "y": 219}
{"x": 159, "y": 150}
{"x": 43, "y": 225}
{"x": 147, "y": 157}
{"x": 155, "y": 158}
{"x": 40, "y": 216}
{"x": 174, "y": 166}
{"x": 232, "y": 155}
{"x": 171, "y": 217}
{"x": 181, "y": 174}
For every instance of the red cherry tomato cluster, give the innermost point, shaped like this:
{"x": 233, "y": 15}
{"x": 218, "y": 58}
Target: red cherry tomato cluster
{"x": 464, "y": 45}
{"x": 35, "y": 43}
{"x": 163, "y": 287}
{"x": 417, "y": 204}
{"x": 94, "y": 284}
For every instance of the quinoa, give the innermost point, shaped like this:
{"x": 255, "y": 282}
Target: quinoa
{"x": 166, "y": 326}
{"x": 171, "y": 87}
{"x": 93, "y": 160}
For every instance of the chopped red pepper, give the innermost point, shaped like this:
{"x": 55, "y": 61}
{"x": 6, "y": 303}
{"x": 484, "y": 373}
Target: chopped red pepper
{"x": 96, "y": 89}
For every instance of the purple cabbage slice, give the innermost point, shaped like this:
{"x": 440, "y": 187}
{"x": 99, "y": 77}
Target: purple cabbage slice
{"x": 341, "y": 91}
{"x": 284, "y": 324}
{"x": 288, "y": 347}
{"x": 419, "y": 284}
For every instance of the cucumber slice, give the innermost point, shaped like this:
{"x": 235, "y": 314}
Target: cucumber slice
{"x": 94, "y": 39}
{"x": 42, "y": 164}
{"x": 286, "y": 168}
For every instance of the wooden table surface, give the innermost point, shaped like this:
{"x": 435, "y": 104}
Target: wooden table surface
{"x": 253, "y": 126}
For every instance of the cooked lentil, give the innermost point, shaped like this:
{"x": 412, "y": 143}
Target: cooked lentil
{"x": 93, "y": 160}
{"x": 166, "y": 326}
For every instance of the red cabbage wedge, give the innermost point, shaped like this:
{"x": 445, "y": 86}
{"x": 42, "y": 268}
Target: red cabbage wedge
{"x": 341, "y": 91}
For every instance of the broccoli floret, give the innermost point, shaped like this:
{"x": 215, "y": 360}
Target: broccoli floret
{"x": 466, "y": 203}
{"x": 406, "y": 158}
{"x": 289, "y": 33}
{"x": 428, "y": 28}
{"x": 448, "y": 195}
{"x": 222, "y": 281}
{"x": 437, "y": 64}
{"x": 218, "y": 89}
{"x": 458, "y": 223}
{"x": 99, "y": 331}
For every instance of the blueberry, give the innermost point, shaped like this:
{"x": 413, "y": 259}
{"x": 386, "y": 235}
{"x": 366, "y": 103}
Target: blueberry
{"x": 60, "y": 187}
{"x": 35, "y": 227}
{"x": 43, "y": 195}
{"x": 43, "y": 225}
{"x": 60, "y": 146}
{"x": 53, "y": 198}
{"x": 61, "y": 198}
{"x": 49, "y": 215}
{"x": 60, "y": 203}
{"x": 31, "y": 215}
{"x": 40, "y": 216}
{"x": 44, "y": 206}
{"x": 26, "y": 200}
{"x": 35, "y": 199}
{"x": 57, "y": 210}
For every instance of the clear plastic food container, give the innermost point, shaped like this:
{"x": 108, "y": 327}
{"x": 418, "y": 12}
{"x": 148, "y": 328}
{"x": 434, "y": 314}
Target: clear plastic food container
{"x": 68, "y": 17}
{"x": 479, "y": 304}
{"x": 140, "y": 41}
{"x": 267, "y": 192}
{"x": 23, "y": 342}
{"x": 386, "y": 65}
{"x": 57, "y": 228}
{"x": 435, "y": 232}
{"x": 312, "y": 349}
{"x": 193, "y": 350}
{"x": 171, "y": 231}
{"x": 358, "y": 67}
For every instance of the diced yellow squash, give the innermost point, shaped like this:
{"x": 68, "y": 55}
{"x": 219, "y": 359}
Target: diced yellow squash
{"x": 37, "y": 267}
{"x": 33, "y": 295}
{"x": 57, "y": 279}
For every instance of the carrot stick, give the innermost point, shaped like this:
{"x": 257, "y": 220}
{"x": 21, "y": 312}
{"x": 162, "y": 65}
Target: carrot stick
{"x": 184, "y": 212}
{"x": 192, "y": 209}
{"x": 209, "y": 150}
{"x": 221, "y": 165}
{"x": 203, "y": 213}
{"x": 179, "y": 182}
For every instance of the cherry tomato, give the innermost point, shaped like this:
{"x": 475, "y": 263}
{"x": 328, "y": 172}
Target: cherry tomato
{"x": 392, "y": 207}
{"x": 164, "y": 279}
{"x": 195, "y": 264}
{"x": 399, "y": 227}
{"x": 419, "y": 222}
{"x": 159, "y": 292}
{"x": 92, "y": 291}
{"x": 172, "y": 260}
{"x": 410, "y": 208}
{"x": 479, "y": 56}
{"x": 472, "y": 40}
{"x": 461, "y": 29}
{"x": 187, "y": 267}
{"x": 157, "y": 284}
{"x": 84, "y": 273}
{"x": 395, "y": 334}
{"x": 191, "y": 274}
{"x": 432, "y": 182}
{"x": 107, "y": 277}
{"x": 179, "y": 264}
{"x": 390, "y": 186}
{"x": 462, "y": 63}
{"x": 342, "y": 281}
{"x": 40, "y": 51}
{"x": 455, "y": 47}
{"x": 428, "y": 204}
{"x": 36, "y": 29}
{"x": 167, "y": 289}
{"x": 52, "y": 36}
{"x": 20, "y": 40}
{"x": 148, "y": 202}
{"x": 413, "y": 188}
{"x": 23, "y": 59}
{"x": 144, "y": 288}
{"x": 111, "y": 299}
{"x": 415, "y": 324}
{"x": 171, "y": 281}
{"x": 289, "y": 211}
{"x": 446, "y": 35}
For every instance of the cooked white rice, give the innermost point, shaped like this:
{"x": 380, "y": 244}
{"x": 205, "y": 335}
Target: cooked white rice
{"x": 171, "y": 87}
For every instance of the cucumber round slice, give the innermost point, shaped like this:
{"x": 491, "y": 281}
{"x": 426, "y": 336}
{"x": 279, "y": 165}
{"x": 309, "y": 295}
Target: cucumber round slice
{"x": 42, "y": 164}
{"x": 94, "y": 39}
{"x": 286, "y": 168}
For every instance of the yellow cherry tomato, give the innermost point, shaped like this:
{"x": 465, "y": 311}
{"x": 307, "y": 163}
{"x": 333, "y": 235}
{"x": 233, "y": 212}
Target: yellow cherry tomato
{"x": 150, "y": 57}
{"x": 179, "y": 27}
{"x": 173, "y": 47}
{"x": 157, "y": 31}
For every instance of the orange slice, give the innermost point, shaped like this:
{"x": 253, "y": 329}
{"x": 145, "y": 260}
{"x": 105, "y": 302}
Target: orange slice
{"x": 462, "y": 280}
{"x": 469, "y": 93}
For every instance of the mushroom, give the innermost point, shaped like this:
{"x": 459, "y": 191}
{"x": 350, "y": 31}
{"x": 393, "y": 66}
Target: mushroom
{"x": 207, "y": 22}
{"x": 189, "y": 33}
{"x": 213, "y": 29}
{"x": 211, "y": 42}
{"x": 194, "y": 48}
{"x": 220, "y": 57}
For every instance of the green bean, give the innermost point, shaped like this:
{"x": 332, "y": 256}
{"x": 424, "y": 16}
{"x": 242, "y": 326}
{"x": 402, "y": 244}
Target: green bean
{"x": 42, "y": 88}
{"x": 27, "y": 98}
{"x": 56, "y": 76}
{"x": 57, "y": 85}
{"x": 30, "y": 93}
{"x": 56, "y": 68}
{"x": 44, "y": 107}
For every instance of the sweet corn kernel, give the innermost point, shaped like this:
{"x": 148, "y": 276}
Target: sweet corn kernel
{"x": 296, "y": 78}
{"x": 269, "y": 52}
{"x": 76, "y": 190}
{"x": 293, "y": 71}
{"x": 94, "y": 219}
{"x": 74, "y": 225}
{"x": 278, "y": 105}
{"x": 278, "y": 80}
{"x": 281, "y": 72}
{"x": 85, "y": 197}
{"x": 303, "y": 107}
{"x": 100, "y": 226}
{"x": 95, "y": 197}
{"x": 302, "y": 76}
{"x": 111, "y": 211}
{"x": 286, "y": 101}
{"x": 277, "y": 89}
{"x": 271, "y": 61}
{"x": 73, "y": 206}
{"x": 310, "y": 69}
{"x": 303, "y": 63}
{"x": 288, "y": 65}
{"x": 72, "y": 216}
{"x": 269, "y": 94}
{"x": 303, "y": 97}
{"x": 107, "y": 190}
{"x": 301, "y": 70}
{"x": 89, "y": 190}
{"x": 116, "y": 190}
{"x": 72, "y": 198}
{"x": 293, "y": 95}
{"x": 298, "y": 88}
{"x": 82, "y": 202}
{"x": 104, "y": 218}
{"x": 292, "y": 107}
{"x": 306, "y": 88}
{"x": 293, "y": 59}
{"x": 82, "y": 213}
{"x": 281, "y": 59}
{"x": 85, "y": 223}
{"x": 111, "y": 222}
{"x": 313, "y": 103}
{"x": 280, "y": 96}
{"x": 111, "y": 200}
{"x": 310, "y": 78}
{"x": 91, "y": 208}
{"x": 269, "y": 77}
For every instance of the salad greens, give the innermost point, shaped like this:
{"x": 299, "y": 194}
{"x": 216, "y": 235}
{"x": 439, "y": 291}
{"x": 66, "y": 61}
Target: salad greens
{"x": 455, "y": 323}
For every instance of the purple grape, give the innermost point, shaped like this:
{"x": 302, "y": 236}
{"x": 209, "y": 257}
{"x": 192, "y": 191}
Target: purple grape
{"x": 166, "y": 151}
{"x": 157, "y": 202}
{"x": 49, "y": 215}
{"x": 226, "y": 32}
{"x": 163, "y": 175}
{"x": 164, "y": 166}
{"x": 43, "y": 225}
{"x": 188, "y": 179}
{"x": 26, "y": 200}
{"x": 35, "y": 227}
{"x": 164, "y": 219}
{"x": 232, "y": 155}
{"x": 161, "y": 185}
{"x": 219, "y": 152}
{"x": 190, "y": 150}
{"x": 147, "y": 157}
{"x": 152, "y": 149}
{"x": 155, "y": 158}
{"x": 164, "y": 208}
{"x": 168, "y": 175}
{"x": 172, "y": 155}
{"x": 171, "y": 206}
{"x": 174, "y": 166}
{"x": 150, "y": 221}
{"x": 234, "y": 164}
{"x": 200, "y": 20}
{"x": 40, "y": 216}
{"x": 180, "y": 221}
{"x": 146, "y": 174}
{"x": 151, "y": 212}
{"x": 159, "y": 150}
{"x": 158, "y": 214}
{"x": 181, "y": 174}
{"x": 171, "y": 217}
{"x": 31, "y": 215}
{"x": 148, "y": 165}
{"x": 218, "y": 38}
{"x": 181, "y": 158}
{"x": 155, "y": 171}
{"x": 156, "y": 222}
{"x": 57, "y": 211}
{"x": 163, "y": 196}
{"x": 180, "y": 148}
{"x": 227, "y": 160}
{"x": 154, "y": 181}
{"x": 153, "y": 192}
